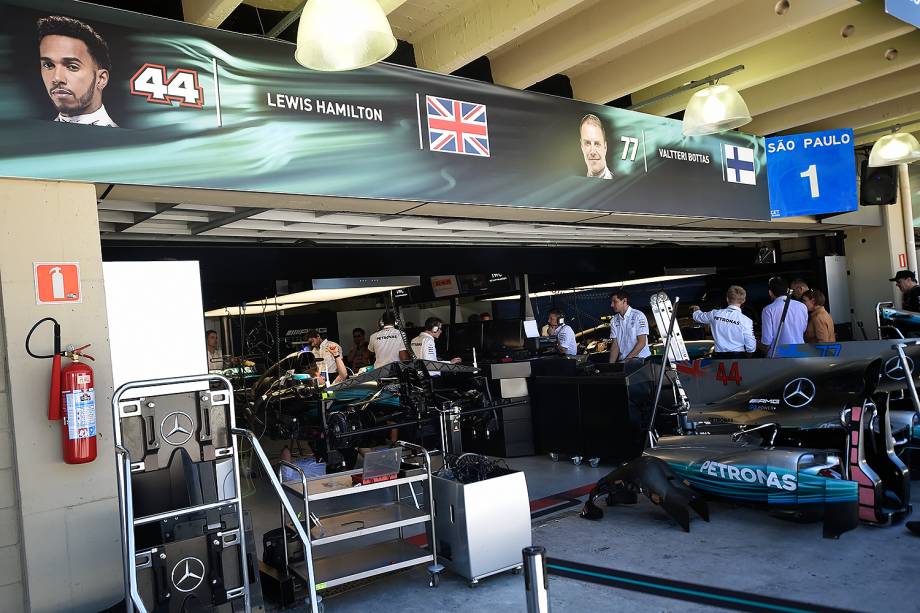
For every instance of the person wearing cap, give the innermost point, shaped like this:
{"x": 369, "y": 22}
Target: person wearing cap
{"x": 329, "y": 353}
{"x": 732, "y": 331}
{"x": 910, "y": 291}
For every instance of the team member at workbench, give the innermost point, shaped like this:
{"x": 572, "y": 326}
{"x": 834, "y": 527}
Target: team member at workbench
{"x": 387, "y": 344}
{"x": 423, "y": 345}
{"x": 628, "y": 330}
{"x": 329, "y": 353}
{"x": 565, "y": 335}
{"x": 732, "y": 331}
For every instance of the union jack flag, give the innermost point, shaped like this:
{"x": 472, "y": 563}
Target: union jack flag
{"x": 457, "y": 127}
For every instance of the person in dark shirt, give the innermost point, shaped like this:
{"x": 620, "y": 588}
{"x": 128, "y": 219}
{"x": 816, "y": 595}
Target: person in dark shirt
{"x": 910, "y": 291}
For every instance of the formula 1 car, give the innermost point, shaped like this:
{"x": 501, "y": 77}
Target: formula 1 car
{"x": 290, "y": 402}
{"x": 808, "y": 438}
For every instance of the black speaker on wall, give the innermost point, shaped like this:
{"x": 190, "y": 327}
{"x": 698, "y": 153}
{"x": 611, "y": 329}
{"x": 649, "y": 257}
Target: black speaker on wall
{"x": 878, "y": 185}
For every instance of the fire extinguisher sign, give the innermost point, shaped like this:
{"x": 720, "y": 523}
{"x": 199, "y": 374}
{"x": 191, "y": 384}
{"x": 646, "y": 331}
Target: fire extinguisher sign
{"x": 57, "y": 282}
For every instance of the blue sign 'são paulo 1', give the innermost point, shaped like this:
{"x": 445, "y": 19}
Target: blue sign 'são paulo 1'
{"x": 811, "y": 174}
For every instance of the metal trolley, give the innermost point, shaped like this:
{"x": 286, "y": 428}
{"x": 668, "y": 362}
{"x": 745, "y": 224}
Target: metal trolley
{"x": 321, "y": 570}
{"x": 179, "y": 495}
{"x": 177, "y": 463}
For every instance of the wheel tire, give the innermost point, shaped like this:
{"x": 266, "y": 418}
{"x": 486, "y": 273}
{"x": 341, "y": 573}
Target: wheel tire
{"x": 595, "y": 462}
{"x": 576, "y": 460}
{"x": 554, "y": 456}
{"x": 434, "y": 580}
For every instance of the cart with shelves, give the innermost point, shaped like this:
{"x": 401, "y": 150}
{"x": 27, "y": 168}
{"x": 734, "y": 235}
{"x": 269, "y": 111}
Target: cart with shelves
{"x": 352, "y": 542}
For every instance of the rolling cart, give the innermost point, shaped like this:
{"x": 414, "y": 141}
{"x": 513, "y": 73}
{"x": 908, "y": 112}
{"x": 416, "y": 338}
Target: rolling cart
{"x": 357, "y": 557}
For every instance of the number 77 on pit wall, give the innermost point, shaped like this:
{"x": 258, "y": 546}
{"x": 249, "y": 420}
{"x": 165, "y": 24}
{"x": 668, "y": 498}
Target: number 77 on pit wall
{"x": 811, "y": 173}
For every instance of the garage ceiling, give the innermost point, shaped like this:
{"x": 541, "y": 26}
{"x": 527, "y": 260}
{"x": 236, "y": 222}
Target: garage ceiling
{"x": 818, "y": 64}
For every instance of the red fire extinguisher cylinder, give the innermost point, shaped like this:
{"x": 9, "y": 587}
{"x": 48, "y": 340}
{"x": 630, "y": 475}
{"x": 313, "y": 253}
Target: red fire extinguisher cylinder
{"x": 78, "y": 409}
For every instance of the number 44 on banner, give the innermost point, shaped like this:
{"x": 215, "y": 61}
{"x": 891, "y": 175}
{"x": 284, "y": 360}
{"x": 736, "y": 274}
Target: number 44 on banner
{"x": 181, "y": 86}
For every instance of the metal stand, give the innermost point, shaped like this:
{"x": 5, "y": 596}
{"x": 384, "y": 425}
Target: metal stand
{"x": 908, "y": 372}
{"x": 673, "y": 350}
{"x": 185, "y": 423}
{"x": 536, "y": 581}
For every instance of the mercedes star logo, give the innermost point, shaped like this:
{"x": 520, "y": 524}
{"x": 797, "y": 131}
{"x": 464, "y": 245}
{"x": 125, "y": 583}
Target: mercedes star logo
{"x": 895, "y": 370}
{"x": 799, "y": 392}
{"x": 187, "y": 574}
{"x": 176, "y": 428}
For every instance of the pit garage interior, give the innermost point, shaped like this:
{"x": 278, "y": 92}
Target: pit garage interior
{"x": 806, "y": 67}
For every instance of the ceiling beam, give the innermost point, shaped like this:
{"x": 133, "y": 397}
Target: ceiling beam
{"x": 584, "y": 36}
{"x": 786, "y": 54}
{"x": 888, "y": 123}
{"x": 868, "y": 94}
{"x": 389, "y": 6}
{"x": 886, "y": 112}
{"x": 481, "y": 28}
{"x": 142, "y": 217}
{"x": 209, "y": 13}
{"x": 834, "y": 75}
{"x": 222, "y": 220}
{"x": 740, "y": 27}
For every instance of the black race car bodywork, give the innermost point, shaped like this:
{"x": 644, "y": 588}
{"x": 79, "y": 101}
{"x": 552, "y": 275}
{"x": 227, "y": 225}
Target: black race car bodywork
{"x": 818, "y": 436}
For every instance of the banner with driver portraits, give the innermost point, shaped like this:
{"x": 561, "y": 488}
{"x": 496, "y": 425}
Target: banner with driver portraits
{"x": 101, "y": 95}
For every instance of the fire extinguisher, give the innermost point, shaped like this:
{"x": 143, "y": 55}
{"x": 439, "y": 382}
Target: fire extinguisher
{"x": 72, "y": 397}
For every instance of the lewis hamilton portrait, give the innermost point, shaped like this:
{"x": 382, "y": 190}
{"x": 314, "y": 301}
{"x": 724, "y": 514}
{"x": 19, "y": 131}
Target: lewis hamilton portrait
{"x": 75, "y": 65}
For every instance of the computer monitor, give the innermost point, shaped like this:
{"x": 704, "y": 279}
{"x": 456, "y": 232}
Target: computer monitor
{"x": 531, "y": 330}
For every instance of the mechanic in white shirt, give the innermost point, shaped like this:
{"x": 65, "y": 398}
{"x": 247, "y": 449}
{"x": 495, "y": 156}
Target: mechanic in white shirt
{"x": 628, "y": 330}
{"x": 387, "y": 344}
{"x": 329, "y": 354}
{"x": 423, "y": 345}
{"x": 732, "y": 331}
{"x": 215, "y": 355}
{"x": 565, "y": 335}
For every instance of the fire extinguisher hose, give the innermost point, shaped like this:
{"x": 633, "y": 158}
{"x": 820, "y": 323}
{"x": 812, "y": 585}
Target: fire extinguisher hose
{"x": 54, "y": 396}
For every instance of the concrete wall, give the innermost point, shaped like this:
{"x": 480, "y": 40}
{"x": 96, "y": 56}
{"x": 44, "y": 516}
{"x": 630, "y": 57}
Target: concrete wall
{"x": 872, "y": 259}
{"x": 59, "y": 535}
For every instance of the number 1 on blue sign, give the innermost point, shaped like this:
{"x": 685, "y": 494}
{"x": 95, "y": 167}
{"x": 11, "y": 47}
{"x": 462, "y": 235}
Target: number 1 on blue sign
{"x": 812, "y": 175}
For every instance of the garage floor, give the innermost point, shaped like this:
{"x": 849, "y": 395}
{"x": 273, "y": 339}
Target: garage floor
{"x": 868, "y": 569}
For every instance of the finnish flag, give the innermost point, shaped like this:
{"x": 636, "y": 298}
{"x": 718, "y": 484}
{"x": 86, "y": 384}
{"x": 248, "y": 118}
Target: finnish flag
{"x": 738, "y": 164}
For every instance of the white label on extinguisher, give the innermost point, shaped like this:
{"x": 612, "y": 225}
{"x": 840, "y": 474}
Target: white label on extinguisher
{"x": 82, "y": 378}
{"x": 81, "y": 413}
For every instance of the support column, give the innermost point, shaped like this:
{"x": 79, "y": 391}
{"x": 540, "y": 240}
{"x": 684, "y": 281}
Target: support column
{"x": 872, "y": 258}
{"x": 64, "y": 518}
{"x": 907, "y": 214}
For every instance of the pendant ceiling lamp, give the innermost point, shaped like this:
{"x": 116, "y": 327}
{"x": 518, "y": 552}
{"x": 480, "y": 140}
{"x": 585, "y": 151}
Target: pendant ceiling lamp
{"x": 894, "y": 149}
{"x": 336, "y": 35}
{"x": 715, "y": 109}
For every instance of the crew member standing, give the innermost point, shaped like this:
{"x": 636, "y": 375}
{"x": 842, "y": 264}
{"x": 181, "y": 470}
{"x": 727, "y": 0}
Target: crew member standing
{"x": 628, "y": 330}
{"x": 910, "y": 291}
{"x": 329, "y": 353}
{"x": 732, "y": 331}
{"x": 565, "y": 335}
{"x": 387, "y": 344}
{"x": 793, "y": 332}
{"x": 423, "y": 345}
{"x": 215, "y": 356}
{"x": 820, "y": 323}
